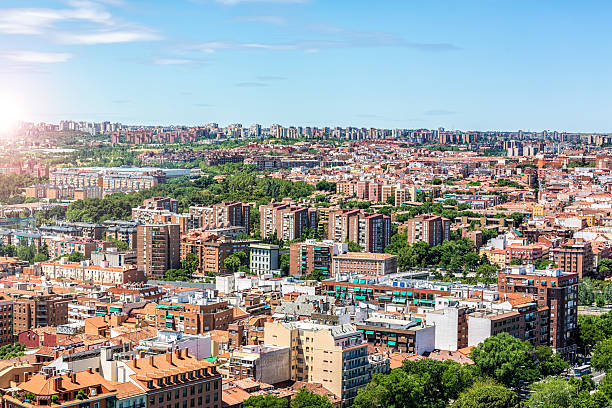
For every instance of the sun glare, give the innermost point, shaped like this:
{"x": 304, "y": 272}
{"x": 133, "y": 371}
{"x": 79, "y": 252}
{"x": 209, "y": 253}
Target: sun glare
{"x": 10, "y": 113}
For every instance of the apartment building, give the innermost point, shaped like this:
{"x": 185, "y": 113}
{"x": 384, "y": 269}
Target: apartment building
{"x": 211, "y": 250}
{"x": 162, "y": 203}
{"x": 158, "y": 249}
{"x": 229, "y": 213}
{"x": 89, "y": 272}
{"x": 126, "y": 231}
{"x": 371, "y": 231}
{"x": 574, "y": 257}
{"x": 429, "y": 228}
{"x": 265, "y": 363}
{"x": 451, "y": 327}
{"x": 285, "y": 220}
{"x": 364, "y": 263}
{"x": 404, "y": 195}
{"x": 6, "y": 319}
{"x": 334, "y": 356}
{"x": 524, "y": 253}
{"x": 264, "y": 259}
{"x": 193, "y": 315}
{"x": 554, "y": 289}
{"x": 405, "y": 336}
{"x": 309, "y": 256}
{"x": 175, "y": 379}
{"x": 59, "y": 246}
{"x": 83, "y": 389}
{"x": 38, "y": 310}
{"x": 526, "y": 321}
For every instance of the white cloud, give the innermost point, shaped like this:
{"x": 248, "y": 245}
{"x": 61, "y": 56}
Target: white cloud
{"x": 81, "y": 15}
{"x": 107, "y": 37}
{"x": 35, "y": 57}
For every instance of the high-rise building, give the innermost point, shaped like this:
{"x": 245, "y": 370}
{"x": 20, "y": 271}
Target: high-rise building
{"x": 38, "y": 310}
{"x": 429, "y": 228}
{"x": 371, "y": 232}
{"x": 285, "y": 220}
{"x": 554, "y": 289}
{"x": 158, "y": 249}
{"x": 264, "y": 258}
{"x": 335, "y": 356}
{"x": 574, "y": 257}
{"x": 230, "y": 213}
{"x": 211, "y": 250}
{"x": 312, "y": 256}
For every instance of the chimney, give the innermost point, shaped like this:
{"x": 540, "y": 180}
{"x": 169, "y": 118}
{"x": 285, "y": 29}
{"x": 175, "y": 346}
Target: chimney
{"x": 90, "y": 370}
{"x": 186, "y": 352}
{"x": 73, "y": 378}
{"x": 57, "y": 383}
{"x": 135, "y": 363}
{"x": 151, "y": 362}
{"x": 178, "y": 353}
{"x": 27, "y": 376}
{"x": 169, "y": 357}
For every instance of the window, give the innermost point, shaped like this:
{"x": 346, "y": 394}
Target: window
{"x": 208, "y": 398}
{"x": 169, "y": 397}
{"x": 161, "y": 397}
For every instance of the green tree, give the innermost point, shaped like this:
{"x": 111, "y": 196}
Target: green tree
{"x": 551, "y": 392}
{"x": 586, "y": 296}
{"x": 266, "y": 401}
{"x": 354, "y": 247}
{"x": 549, "y": 363}
{"x": 397, "y": 389}
{"x": 76, "y": 257}
{"x": 588, "y": 334}
{"x": 190, "y": 264}
{"x": 506, "y": 359}
{"x": 518, "y": 218}
{"x": 516, "y": 261}
{"x": 486, "y": 394}
{"x": 602, "y": 356}
{"x": 285, "y": 263}
{"x": 307, "y": 399}
{"x": 177, "y": 275}
{"x": 232, "y": 263}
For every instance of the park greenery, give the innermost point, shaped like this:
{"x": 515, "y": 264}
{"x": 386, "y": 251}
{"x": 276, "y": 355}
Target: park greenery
{"x": 11, "y": 350}
{"x": 504, "y": 368}
{"x": 12, "y": 185}
{"x": 303, "y": 399}
{"x": 204, "y": 190}
{"x": 25, "y": 252}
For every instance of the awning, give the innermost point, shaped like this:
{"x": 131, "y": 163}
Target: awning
{"x": 391, "y": 343}
{"x": 360, "y": 297}
{"x": 369, "y": 331}
{"x": 384, "y": 297}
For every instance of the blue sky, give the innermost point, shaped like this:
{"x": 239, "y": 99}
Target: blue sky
{"x": 482, "y": 65}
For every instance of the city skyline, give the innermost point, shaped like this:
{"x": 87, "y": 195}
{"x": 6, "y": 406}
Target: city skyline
{"x": 458, "y": 65}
